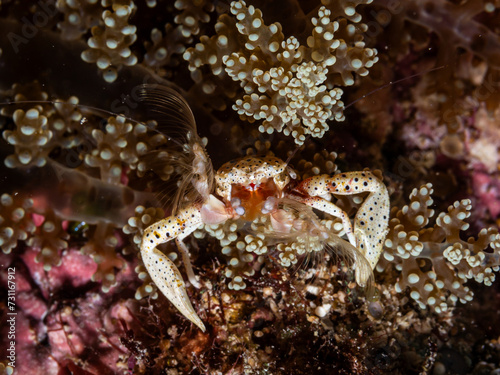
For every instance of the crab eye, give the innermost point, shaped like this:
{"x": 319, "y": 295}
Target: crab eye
{"x": 292, "y": 173}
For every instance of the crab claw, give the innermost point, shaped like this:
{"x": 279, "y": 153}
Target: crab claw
{"x": 214, "y": 211}
{"x": 168, "y": 278}
{"x": 282, "y": 221}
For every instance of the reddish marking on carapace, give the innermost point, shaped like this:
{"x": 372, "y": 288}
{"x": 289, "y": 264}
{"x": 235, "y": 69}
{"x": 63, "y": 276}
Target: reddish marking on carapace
{"x": 253, "y": 196}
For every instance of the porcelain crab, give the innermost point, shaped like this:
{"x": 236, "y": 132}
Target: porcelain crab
{"x": 246, "y": 188}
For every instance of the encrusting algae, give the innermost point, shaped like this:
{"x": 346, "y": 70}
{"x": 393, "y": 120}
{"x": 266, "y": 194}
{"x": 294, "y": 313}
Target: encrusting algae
{"x": 80, "y": 185}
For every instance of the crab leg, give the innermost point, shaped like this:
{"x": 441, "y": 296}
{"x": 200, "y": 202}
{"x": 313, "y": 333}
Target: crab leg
{"x": 322, "y": 204}
{"x": 371, "y": 220}
{"x": 162, "y": 270}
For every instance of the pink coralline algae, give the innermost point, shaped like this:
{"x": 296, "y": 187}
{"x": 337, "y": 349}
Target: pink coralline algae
{"x": 488, "y": 191}
{"x": 68, "y": 329}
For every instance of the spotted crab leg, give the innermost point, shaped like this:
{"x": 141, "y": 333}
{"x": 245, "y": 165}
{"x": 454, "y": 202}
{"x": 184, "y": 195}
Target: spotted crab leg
{"x": 162, "y": 270}
{"x": 372, "y": 219}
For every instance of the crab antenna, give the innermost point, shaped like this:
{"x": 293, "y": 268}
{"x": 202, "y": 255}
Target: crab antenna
{"x": 364, "y": 96}
{"x": 296, "y": 150}
{"x": 394, "y": 82}
{"x": 72, "y": 104}
{"x": 98, "y": 111}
